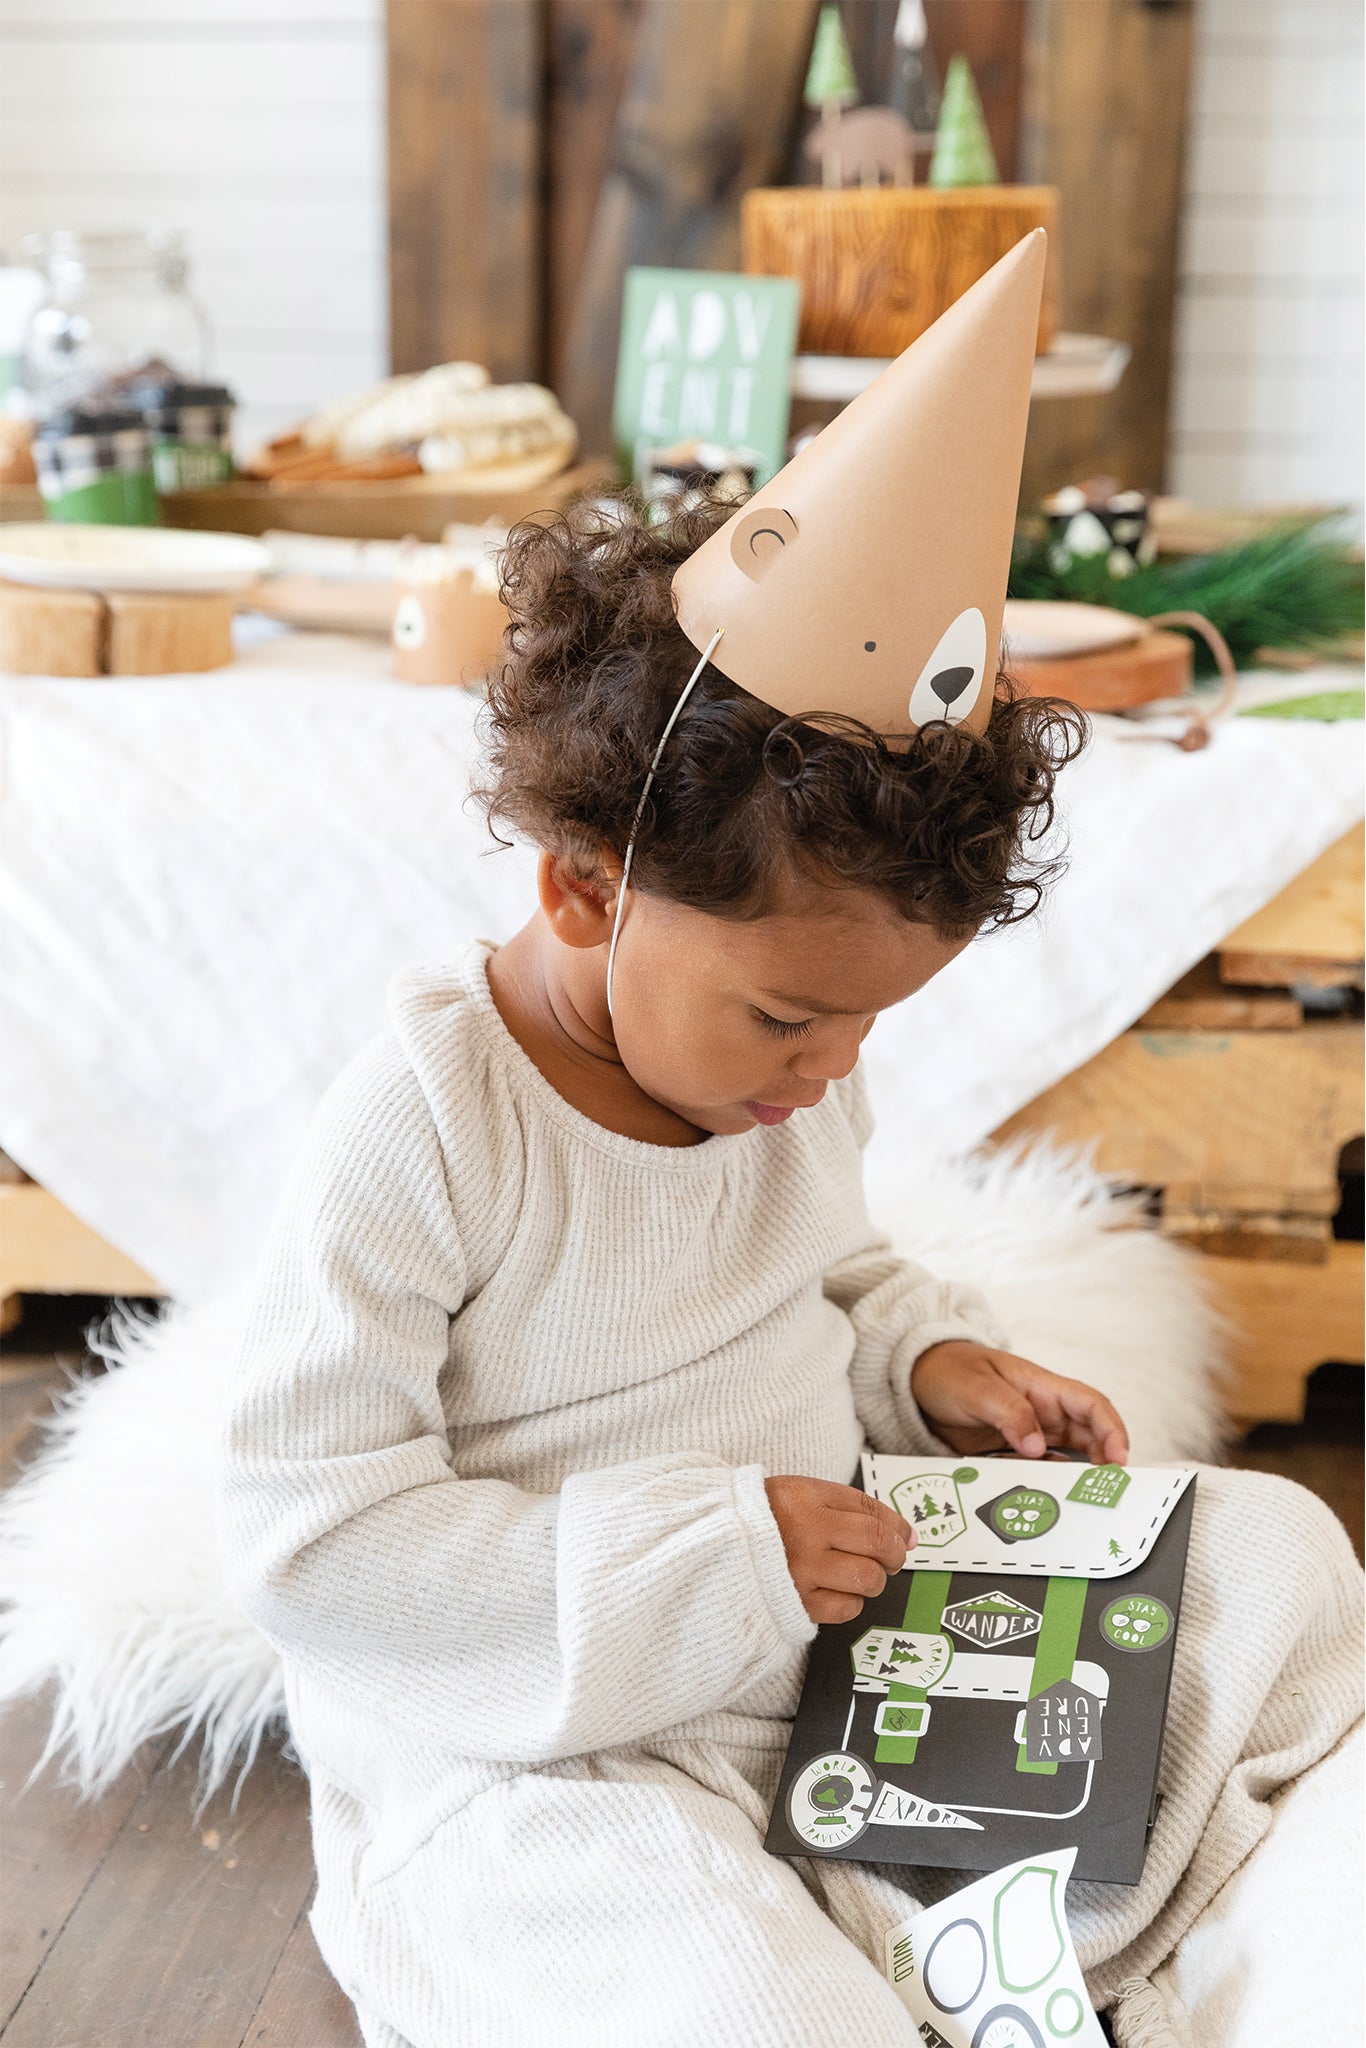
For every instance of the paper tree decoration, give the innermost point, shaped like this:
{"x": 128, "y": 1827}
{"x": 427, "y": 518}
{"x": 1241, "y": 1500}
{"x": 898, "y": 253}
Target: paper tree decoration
{"x": 830, "y": 85}
{"x": 962, "y": 148}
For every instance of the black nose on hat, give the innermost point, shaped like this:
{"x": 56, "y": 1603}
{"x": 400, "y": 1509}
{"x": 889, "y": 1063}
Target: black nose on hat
{"x": 950, "y": 683}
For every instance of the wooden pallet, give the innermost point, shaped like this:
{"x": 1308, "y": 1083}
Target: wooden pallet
{"x": 1237, "y": 1111}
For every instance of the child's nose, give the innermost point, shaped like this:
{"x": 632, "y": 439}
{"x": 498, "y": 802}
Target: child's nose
{"x": 831, "y": 1055}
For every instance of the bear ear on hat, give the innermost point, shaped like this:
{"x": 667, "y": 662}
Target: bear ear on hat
{"x": 759, "y": 537}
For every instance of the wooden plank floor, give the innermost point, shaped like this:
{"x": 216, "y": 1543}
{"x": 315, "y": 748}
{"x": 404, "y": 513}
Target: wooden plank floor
{"x": 123, "y": 1922}
{"x": 126, "y": 1925}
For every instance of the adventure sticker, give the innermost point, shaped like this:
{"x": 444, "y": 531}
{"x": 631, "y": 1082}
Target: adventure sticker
{"x": 1136, "y": 1622}
{"x": 1062, "y": 1726}
{"x": 1100, "y": 1486}
{"x": 1020, "y": 1515}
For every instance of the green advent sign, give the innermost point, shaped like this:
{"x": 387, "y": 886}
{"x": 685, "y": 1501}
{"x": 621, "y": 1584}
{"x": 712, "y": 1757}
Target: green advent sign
{"x": 705, "y": 356}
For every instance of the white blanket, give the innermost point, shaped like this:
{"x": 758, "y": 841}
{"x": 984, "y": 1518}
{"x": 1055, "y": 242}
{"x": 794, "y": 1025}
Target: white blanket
{"x": 206, "y": 882}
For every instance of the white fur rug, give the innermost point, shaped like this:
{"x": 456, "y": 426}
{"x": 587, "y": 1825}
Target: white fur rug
{"x": 108, "y": 1558}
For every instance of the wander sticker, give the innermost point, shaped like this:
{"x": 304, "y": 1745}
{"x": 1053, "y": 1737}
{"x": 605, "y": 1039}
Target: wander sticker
{"x": 992, "y": 1618}
{"x": 993, "y": 1965}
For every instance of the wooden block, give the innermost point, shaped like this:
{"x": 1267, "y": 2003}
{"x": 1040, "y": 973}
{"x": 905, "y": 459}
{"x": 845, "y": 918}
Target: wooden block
{"x": 44, "y": 1249}
{"x": 152, "y": 633}
{"x": 878, "y": 267}
{"x": 1250, "y": 1121}
{"x": 1297, "y": 1240}
{"x": 1200, "y": 1001}
{"x": 1285, "y": 1321}
{"x": 50, "y": 632}
{"x": 1311, "y": 933}
{"x": 1159, "y": 664}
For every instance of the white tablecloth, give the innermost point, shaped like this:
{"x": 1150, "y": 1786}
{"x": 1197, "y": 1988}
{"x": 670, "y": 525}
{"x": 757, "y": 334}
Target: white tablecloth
{"x": 206, "y": 882}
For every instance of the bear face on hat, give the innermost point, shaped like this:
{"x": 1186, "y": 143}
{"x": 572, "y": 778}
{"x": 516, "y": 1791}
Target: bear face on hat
{"x": 868, "y": 577}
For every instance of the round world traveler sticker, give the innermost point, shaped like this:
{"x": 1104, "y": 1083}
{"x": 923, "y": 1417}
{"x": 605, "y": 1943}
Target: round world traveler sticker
{"x": 1136, "y": 1622}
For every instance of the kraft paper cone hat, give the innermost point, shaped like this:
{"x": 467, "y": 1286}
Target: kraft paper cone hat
{"x": 868, "y": 576}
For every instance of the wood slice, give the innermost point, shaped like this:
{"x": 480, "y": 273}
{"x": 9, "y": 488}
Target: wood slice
{"x": 879, "y": 267}
{"x": 152, "y": 633}
{"x": 1157, "y": 665}
{"x": 50, "y": 632}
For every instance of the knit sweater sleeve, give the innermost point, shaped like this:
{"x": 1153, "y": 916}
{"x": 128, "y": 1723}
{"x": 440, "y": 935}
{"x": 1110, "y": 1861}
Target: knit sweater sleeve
{"x": 635, "y": 1597}
{"x": 898, "y": 1310}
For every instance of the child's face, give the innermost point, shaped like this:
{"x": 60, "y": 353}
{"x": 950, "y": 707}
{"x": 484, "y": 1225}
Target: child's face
{"x": 733, "y": 1025}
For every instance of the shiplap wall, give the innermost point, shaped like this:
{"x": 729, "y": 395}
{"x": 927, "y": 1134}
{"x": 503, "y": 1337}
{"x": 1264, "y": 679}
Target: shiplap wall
{"x": 255, "y": 125}
{"x": 1268, "y": 393}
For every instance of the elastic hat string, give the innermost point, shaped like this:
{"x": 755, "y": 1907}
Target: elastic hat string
{"x": 688, "y": 688}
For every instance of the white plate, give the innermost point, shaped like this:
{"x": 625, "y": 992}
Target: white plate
{"x": 1034, "y": 629}
{"x": 62, "y": 557}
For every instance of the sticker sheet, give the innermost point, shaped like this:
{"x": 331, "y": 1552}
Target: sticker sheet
{"x": 971, "y": 1716}
{"x": 1047, "y": 1518}
{"x": 993, "y": 1965}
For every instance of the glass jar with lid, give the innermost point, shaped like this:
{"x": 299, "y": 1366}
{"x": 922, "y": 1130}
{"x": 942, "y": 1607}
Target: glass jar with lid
{"x": 117, "y": 311}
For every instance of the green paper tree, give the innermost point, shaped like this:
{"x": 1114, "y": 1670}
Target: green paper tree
{"x": 962, "y": 148}
{"x": 830, "y": 80}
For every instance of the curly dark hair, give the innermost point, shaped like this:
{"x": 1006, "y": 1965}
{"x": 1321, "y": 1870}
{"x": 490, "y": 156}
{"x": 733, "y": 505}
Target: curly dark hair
{"x": 744, "y": 798}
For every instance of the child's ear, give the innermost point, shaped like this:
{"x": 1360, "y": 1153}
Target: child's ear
{"x": 578, "y": 908}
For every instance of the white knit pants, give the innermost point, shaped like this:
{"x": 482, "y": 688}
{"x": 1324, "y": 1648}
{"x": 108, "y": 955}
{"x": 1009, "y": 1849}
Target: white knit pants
{"x": 624, "y": 1899}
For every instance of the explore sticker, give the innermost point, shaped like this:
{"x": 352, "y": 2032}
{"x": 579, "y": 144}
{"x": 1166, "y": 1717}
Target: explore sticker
{"x": 1137, "y": 1622}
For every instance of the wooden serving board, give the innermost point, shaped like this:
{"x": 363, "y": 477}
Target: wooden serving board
{"x": 423, "y": 506}
{"x": 1157, "y": 664}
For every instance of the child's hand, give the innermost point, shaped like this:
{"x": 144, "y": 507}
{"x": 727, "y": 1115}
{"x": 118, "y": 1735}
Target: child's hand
{"x": 978, "y": 1399}
{"x": 840, "y": 1544}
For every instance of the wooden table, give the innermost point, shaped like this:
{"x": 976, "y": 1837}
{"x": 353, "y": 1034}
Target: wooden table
{"x": 1238, "y": 1104}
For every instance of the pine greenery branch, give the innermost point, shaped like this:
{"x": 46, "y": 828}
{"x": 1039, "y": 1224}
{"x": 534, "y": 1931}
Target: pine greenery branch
{"x": 1291, "y": 586}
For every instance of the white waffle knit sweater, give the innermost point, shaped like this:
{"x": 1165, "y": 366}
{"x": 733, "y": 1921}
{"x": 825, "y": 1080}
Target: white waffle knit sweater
{"x": 492, "y": 1481}
{"x": 513, "y": 1383}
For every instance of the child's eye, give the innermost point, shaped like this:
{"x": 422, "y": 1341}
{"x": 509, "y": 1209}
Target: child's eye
{"x": 780, "y": 1028}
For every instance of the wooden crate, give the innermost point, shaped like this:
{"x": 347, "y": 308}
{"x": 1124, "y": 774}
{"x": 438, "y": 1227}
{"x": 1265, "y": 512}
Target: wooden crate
{"x": 1236, "y": 1110}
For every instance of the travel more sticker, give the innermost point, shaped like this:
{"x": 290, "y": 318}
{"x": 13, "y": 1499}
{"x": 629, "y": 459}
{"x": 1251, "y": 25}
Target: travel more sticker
{"x": 1021, "y": 1514}
{"x": 1136, "y": 1622}
{"x": 1100, "y": 1486}
{"x": 901, "y": 1656}
{"x": 992, "y": 1618}
{"x": 931, "y": 1503}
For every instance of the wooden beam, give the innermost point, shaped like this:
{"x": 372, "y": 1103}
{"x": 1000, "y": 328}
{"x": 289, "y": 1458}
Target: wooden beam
{"x": 44, "y": 1249}
{"x": 591, "y": 46}
{"x": 710, "y": 109}
{"x": 465, "y": 216}
{"x": 1105, "y": 122}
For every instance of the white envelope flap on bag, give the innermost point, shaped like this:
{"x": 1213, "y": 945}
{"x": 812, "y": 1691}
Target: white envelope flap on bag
{"x": 1046, "y": 1518}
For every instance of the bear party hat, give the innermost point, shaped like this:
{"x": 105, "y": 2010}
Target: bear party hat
{"x": 868, "y": 576}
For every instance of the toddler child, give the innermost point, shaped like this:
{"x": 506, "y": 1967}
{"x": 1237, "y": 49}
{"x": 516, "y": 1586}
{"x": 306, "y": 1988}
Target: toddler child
{"x": 572, "y": 1323}
{"x": 569, "y": 1334}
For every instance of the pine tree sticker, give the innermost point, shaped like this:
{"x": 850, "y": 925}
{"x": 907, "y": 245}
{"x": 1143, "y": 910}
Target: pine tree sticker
{"x": 830, "y": 85}
{"x": 962, "y": 148}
